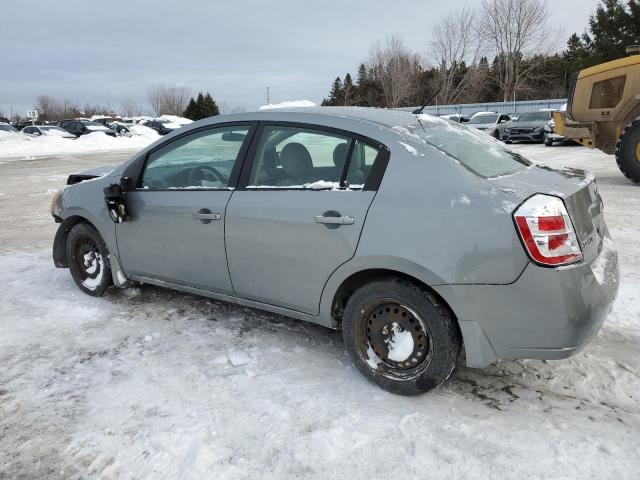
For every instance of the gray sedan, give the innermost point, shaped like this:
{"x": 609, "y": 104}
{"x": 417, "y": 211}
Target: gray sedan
{"x": 416, "y": 237}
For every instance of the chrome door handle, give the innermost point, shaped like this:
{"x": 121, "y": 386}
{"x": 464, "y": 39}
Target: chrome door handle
{"x": 344, "y": 220}
{"x": 206, "y": 216}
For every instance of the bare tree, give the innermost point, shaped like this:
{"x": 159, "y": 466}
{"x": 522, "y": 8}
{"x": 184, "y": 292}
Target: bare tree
{"x": 394, "y": 66}
{"x": 130, "y": 108}
{"x": 454, "y": 46}
{"x": 168, "y": 99}
{"x": 154, "y": 97}
{"x": 47, "y": 107}
{"x": 517, "y": 32}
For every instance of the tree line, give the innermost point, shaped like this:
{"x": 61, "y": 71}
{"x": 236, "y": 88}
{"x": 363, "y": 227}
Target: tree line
{"x": 165, "y": 99}
{"x": 501, "y": 51}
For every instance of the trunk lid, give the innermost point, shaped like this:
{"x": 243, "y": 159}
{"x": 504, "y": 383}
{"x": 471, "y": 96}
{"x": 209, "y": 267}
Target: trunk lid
{"x": 578, "y": 190}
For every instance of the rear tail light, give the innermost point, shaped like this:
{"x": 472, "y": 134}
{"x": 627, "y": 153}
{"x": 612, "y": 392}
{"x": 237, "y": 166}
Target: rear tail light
{"x": 547, "y": 232}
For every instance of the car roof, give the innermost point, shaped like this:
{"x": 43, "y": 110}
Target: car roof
{"x": 379, "y": 116}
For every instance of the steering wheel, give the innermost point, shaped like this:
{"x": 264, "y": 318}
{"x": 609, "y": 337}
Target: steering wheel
{"x": 205, "y": 173}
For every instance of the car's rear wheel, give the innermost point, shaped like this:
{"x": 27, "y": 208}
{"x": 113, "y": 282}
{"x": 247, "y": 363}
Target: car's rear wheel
{"x": 400, "y": 336}
{"x": 88, "y": 261}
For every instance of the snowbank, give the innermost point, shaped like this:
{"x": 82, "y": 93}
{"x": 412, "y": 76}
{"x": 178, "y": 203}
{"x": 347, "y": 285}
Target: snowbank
{"x": 175, "y": 119}
{"x": 289, "y": 104}
{"x": 26, "y": 147}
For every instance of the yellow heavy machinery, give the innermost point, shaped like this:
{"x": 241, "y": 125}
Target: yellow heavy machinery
{"x": 603, "y": 111}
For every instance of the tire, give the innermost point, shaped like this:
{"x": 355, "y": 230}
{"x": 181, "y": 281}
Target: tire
{"x": 423, "y": 335}
{"x": 87, "y": 257}
{"x": 628, "y": 151}
{"x": 548, "y": 142}
{"x": 508, "y": 142}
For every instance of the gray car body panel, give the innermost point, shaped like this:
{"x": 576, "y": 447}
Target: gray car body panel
{"x": 431, "y": 219}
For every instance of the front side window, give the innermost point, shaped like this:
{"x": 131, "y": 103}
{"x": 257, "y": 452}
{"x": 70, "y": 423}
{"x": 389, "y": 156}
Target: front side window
{"x": 292, "y": 157}
{"x": 607, "y": 93}
{"x": 202, "y": 160}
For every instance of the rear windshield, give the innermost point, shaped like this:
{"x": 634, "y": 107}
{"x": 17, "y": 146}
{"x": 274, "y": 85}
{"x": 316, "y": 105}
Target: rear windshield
{"x": 534, "y": 116}
{"x": 483, "y": 118}
{"x": 476, "y": 150}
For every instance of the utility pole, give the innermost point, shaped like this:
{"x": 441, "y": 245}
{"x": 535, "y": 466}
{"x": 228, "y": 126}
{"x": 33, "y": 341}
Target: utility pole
{"x": 268, "y": 97}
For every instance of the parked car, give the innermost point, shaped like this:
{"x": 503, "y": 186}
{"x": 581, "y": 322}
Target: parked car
{"x": 84, "y": 127}
{"x": 293, "y": 211}
{"x": 104, "y": 120}
{"x": 529, "y": 127}
{"x": 161, "y": 126}
{"x": 456, "y": 117}
{"x": 46, "y": 130}
{"x": 489, "y": 122}
{"x": 132, "y": 130}
{"x": 8, "y": 132}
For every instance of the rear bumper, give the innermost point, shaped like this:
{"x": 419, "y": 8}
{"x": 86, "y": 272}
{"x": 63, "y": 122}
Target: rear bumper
{"x": 548, "y": 313}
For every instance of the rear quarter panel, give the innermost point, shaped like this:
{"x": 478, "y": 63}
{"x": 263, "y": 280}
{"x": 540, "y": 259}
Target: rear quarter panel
{"x": 436, "y": 221}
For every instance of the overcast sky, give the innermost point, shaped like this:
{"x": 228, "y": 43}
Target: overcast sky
{"x": 108, "y": 51}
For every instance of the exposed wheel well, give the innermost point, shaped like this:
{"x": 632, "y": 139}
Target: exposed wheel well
{"x": 356, "y": 280}
{"x": 60, "y": 240}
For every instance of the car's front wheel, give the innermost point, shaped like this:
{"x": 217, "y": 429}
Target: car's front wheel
{"x": 400, "y": 336}
{"x": 88, "y": 261}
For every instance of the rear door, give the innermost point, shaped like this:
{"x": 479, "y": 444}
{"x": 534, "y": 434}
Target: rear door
{"x": 298, "y": 211}
{"x": 175, "y": 229}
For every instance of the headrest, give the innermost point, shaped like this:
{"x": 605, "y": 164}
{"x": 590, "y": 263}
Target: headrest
{"x": 296, "y": 160}
{"x": 340, "y": 155}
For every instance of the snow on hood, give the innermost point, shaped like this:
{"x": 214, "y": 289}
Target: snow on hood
{"x": 96, "y": 128}
{"x": 143, "y": 130}
{"x": 289, "y": 104}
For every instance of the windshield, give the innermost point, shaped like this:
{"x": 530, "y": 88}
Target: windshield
{"x": 477, "y": 151}
{"x": 534, "y": 116}
{"x": 484, "y": 118}
{"x": 7, "y": 128}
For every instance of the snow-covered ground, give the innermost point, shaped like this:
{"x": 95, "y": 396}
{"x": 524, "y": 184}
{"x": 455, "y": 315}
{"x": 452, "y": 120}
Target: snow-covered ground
{"x": 21, "y": 146}
{"x": 149, "y": 383}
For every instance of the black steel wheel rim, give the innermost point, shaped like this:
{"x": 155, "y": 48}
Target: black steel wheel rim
{"x": 393, "y": 339}
{"x": 87, "y": 259}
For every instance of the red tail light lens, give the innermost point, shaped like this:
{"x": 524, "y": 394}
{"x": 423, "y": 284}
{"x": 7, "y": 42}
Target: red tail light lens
{"x": 547, "y": 232}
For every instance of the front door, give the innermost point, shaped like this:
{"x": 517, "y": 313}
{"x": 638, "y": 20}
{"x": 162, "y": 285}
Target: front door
{"x": 298, "y": 215}
{"x": 175, "y": 229}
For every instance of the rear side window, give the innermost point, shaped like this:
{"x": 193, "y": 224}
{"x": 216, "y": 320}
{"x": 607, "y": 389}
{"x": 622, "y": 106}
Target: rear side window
{"x": 302, "y": 158}
{"x": 607, "y": 93}
{"x": 474, "y": 149}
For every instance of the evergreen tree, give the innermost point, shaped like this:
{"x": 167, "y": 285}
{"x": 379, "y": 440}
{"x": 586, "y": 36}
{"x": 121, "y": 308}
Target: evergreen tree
{"x": 612, "y": 29}
{"x": 209, "y": 107}
{"x": 336, "y": 96}
{"x": 202, "y": 107}
{"x": 362, "y": 75}
{"x": 349, "y": 90}
{"x": 191, "y": 111}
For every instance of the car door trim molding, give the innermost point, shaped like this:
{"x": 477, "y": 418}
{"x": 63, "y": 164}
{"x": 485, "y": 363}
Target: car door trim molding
{"x": 373, "y": 180}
